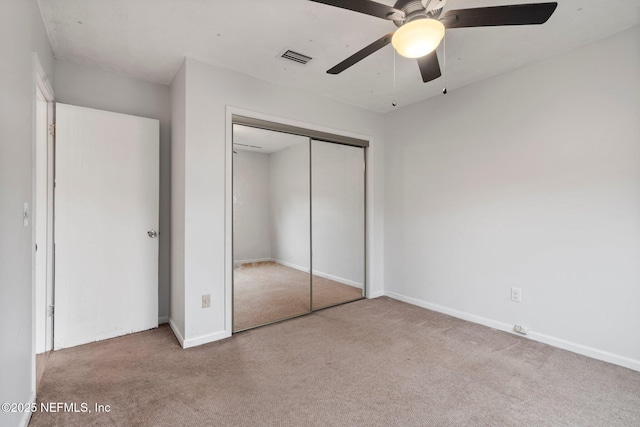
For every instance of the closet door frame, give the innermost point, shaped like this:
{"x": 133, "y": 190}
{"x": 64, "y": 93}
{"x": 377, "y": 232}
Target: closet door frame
{"x": 312, "y": 132}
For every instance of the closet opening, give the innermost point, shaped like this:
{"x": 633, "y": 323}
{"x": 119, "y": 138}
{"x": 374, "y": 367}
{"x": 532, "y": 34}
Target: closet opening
{"x": 299, "y": 221}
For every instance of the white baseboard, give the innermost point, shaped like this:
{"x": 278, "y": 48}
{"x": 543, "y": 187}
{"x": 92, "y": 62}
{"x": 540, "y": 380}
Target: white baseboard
{"x": 452, "y": 312}
{"x": 196, "y": 341}
{"x": 251, "y": 261}
{"x": 320, "y": 274}
{"x": 291, "y": 265}
{"x": 338, "y": 279}
{"x": 26, "y": 417}
{"x": 584, "y": 350}
{"x": 163, "y": 319}
{"x": 176, "y": 332}
{"x": 204, "y": 339}
{"x": 594, "y": 353}
{"x": 377, "y": 294}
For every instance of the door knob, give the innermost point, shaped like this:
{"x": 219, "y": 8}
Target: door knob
{"x": 152, "y": 233}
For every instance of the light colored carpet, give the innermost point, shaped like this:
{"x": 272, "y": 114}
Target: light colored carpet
{"x": 41, "y": 362}
{"x": 265, "y": 292}
{"x": 369, "y": 363}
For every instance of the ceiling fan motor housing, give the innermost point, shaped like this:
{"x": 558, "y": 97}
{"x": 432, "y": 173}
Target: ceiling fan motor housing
{"x": 415, "y": 9}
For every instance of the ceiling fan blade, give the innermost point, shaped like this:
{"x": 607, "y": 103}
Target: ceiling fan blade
{"x": 517, "y": 14}
{"x": 429, "y": 67}
{"x": 361, "y": 54}
{"x": 367, "y": 7}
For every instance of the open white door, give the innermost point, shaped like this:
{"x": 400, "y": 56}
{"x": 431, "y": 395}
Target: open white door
{"x": 41, "y": 223}
{"x": 106, "y": 214}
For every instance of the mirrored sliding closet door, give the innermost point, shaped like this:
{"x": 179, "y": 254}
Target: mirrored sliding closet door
{"x": 271, "y": 229}
{"x": 298, "y": 209}
{"x": 337, "y": 223}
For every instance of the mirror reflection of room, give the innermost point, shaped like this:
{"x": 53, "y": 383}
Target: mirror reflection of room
{"x": 271, "y": 231}
{"x": 337, "y": 225}
{"x": 291, "y": 195}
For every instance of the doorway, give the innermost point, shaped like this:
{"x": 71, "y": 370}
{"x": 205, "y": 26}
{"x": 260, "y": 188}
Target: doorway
{"x": 43, "y": 172}
{"x": 298, "y": 221}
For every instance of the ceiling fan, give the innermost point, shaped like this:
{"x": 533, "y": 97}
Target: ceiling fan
{"x": 421, "y": 26}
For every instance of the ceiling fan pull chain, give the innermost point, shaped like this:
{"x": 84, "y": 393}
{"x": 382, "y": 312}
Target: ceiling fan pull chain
{"x": 394, "y": 103}
{"x": 444, "y": 63}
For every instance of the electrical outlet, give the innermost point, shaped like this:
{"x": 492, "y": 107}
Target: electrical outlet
{"x": 516, "y": 294}
{"x": 206, "y": 301}
{"x": 520, "y": 329}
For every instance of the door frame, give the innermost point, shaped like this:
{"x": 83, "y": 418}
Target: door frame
{"x": 41, "y": 83}
{"x": 312, "y": 128}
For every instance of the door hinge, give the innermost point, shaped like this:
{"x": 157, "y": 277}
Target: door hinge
{"x": 52, "y": 129}
{"x": 50, "y": 311}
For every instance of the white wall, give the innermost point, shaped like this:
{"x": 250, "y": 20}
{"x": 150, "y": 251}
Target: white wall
{"x": 178, "y": 225}
{"x": 21, "y": 33}
{"x": 530, "y": 179}
{"x": 209, "y": 90}
{"x": 290, "y": 203}
{"x": 94, "y": 88}
{"x": 251, "y": 207}
{"x": 337, "y": 194}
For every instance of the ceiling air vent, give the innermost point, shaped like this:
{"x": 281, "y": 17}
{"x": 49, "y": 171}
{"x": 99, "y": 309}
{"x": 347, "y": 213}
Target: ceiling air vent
{"x": 295, "y": 57}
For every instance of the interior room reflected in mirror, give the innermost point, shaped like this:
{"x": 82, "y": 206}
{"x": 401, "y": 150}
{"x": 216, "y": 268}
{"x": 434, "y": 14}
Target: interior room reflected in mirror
{"x": 292, "y": 194}
{"x": 337, "y": 225}
{"x": 271, "y": 209}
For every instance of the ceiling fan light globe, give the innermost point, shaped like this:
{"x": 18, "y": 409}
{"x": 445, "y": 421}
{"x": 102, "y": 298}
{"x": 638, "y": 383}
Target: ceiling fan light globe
{"x": 418, "y": 38}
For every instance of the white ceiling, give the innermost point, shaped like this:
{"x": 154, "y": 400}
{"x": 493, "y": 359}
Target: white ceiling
{"x": 149, "y": 39}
